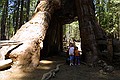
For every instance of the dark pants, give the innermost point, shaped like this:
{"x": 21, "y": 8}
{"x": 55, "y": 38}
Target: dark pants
{"x": 77, "y": 60}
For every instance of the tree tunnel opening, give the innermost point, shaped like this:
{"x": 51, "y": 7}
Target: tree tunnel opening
{"x": 53, "y": 42}
{"x": 71, "y": 34}
{"x": 58, "y": 38}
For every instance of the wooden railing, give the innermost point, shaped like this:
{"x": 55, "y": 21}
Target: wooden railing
{"x": 8, "y": 62}
{"x": 8, "y": 43}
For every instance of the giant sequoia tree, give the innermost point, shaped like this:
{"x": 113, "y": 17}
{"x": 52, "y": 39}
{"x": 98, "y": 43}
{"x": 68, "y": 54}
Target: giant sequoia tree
{"x": 90, "y": 30}
{"x": 46, "y": 24}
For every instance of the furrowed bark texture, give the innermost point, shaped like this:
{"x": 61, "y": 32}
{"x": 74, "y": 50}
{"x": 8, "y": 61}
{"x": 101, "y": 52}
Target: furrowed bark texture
{"x": 52, "y": 41}
{"x": 26, "y": 55}
{"x": 89, "y": 30}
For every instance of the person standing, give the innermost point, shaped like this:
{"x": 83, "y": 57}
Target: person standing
{"x": 77, "y": 56}
{"x": 71, "y": 53}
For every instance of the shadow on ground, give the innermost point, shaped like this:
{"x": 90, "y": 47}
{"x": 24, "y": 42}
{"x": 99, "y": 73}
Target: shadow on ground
{"x": 44, "y": 67}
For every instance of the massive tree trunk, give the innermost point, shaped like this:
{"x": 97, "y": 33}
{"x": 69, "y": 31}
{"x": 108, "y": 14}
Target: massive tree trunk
{"x": 52, "y": 42}
{"x": 26, "y": 54}
{"x": 89, "y": 30}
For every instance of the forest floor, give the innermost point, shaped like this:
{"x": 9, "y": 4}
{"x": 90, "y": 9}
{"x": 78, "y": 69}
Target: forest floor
{"x": 66, "y": 72}
{"x": 83, "y": 72}
{"x": 45, "y": 66}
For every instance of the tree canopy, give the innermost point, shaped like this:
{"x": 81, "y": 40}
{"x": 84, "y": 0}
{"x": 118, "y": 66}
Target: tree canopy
{"x": 108, "y": 14}
{"x": 13, "y": 13}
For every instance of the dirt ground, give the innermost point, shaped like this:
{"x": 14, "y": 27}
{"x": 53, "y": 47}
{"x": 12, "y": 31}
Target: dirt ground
{"x": 83, "y": 72}
{"x": 45, "y": 66}
{"x": 66, "y": 72}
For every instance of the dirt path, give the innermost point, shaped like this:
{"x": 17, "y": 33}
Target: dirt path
{"x": 83, "y": 72}
{"x": 66, "y": 72}
{"x": 44, "y": 67}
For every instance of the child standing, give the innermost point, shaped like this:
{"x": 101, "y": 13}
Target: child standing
{"x": 77, "y": 56}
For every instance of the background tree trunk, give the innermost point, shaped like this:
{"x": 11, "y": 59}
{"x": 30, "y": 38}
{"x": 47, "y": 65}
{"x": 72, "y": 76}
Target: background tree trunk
{"x": 26, "y": 55}
{"x": 3, "y": 20}
{"x": 21, "y": 13}
{"x": 17, "y": 16}
{"x": 28, "y": 9}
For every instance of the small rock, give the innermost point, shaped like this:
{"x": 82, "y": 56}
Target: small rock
{"x": 109, "y": 69}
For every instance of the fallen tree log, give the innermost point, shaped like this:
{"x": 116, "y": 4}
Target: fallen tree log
{"x": 31, "y": 34}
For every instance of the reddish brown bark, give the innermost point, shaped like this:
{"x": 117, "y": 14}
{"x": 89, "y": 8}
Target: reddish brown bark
{"x": 89, "y": 30}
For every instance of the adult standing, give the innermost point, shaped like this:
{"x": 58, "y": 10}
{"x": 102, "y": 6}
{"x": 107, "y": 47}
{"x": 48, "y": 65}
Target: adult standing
{"x": 71, "y": 53}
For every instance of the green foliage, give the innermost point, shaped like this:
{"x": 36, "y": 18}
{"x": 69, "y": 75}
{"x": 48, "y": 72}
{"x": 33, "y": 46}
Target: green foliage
{"x": 108, "y": 12}
{"x": 71, "y": 31}
{"x": 32, "y": 6}
{"x": 14, "y": 14}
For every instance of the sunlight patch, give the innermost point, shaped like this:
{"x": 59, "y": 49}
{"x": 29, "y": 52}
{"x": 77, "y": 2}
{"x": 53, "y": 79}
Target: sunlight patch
{"x": 46, "y": 62}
